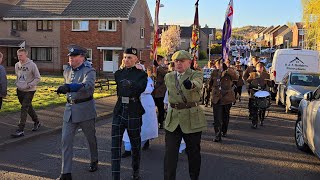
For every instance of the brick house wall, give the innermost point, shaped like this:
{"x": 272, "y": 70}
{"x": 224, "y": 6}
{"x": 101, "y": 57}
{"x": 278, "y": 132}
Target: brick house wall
{"x": 90, "y": 39}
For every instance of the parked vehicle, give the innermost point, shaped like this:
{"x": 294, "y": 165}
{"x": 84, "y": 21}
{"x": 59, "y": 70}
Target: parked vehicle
{"x": 293, "y": 86}
{"x": 294, "y": 60}
{"x": 307, "y": 128}
{"x": 268, "y": 50}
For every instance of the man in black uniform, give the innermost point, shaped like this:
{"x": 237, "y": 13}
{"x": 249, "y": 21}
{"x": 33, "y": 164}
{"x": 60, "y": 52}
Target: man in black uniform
{"x": 131, "y": 82}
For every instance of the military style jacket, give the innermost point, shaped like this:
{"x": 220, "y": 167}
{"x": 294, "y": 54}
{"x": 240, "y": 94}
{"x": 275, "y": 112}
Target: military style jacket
{"x": 160, "y": 87}
{"x": 139, "y": 83}
{"x": 192, "y": 119}
{"x": 255, "y": 80}
{"x": 86, "y": 75}
{"x": 221, "y": 84}
{"x": 240, "y": 80}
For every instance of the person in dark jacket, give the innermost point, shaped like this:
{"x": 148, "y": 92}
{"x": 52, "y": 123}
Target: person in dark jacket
{"x": 160, "y": 89}
{"x": 127, "y": 114}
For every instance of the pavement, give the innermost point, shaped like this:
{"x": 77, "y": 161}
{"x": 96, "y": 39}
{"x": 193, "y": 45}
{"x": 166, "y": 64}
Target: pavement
{"x": 50, "y": 118}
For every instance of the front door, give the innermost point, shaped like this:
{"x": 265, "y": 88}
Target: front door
{"x": 12, "y": 56}
{"x": 110, "y": 60}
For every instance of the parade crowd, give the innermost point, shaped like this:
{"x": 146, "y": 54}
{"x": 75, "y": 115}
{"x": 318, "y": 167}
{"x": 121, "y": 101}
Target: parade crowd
{"x": 169, "y": 99}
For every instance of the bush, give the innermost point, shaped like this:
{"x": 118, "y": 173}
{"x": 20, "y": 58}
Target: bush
{"x": 202, "y": 55}
{"x": 216, "y": 49}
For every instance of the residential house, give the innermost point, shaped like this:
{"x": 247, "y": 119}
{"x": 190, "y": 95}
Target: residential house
{"x": 105, "y": 28}
{"x": 256, "y": 35}
{"x": 261, "y": 35}
{"x": 298, "y": 32}
{"x": 204, "y": 35}
{"x": 284, "y": 39}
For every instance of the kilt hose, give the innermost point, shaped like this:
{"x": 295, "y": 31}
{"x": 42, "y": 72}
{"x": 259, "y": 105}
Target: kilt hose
{"x": 122, "y": 121}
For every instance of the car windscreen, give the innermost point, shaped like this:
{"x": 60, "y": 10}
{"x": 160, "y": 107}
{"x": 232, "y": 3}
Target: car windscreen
{"x": 305, "y": 79}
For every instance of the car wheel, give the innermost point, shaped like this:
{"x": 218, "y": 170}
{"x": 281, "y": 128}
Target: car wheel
{"x": 301, "y": 145}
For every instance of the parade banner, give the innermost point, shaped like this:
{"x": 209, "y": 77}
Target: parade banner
{"x": 156, "y": 31}
{"x": 195, "y": 35}
{"x": 227, "y": 30}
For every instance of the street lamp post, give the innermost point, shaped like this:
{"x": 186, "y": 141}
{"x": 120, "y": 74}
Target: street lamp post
{"x": 209, "y": 44}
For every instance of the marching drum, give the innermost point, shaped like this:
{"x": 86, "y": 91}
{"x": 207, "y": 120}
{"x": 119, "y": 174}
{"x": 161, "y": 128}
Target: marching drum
{"x": 262, "y": 99}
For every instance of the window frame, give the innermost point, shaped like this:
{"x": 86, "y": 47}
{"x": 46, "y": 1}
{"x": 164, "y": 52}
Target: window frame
{"x": 23, "y": 24}
{"x": 90, "y": 54}
{"x": 107, "y": 26}
{"x": 73, "y": 28}
{"x": 142, "y": 32}
{"x": 48, "y": 26}
{"x": 49, "y": 53}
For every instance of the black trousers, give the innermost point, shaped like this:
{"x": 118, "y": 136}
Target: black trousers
{"x": 160, "y": 105}
{"x": 173, "y": 140}
{"x": 237, "y": 91}
{"x": 122, "y": 121}
{"x": 25, "y": 99}
{"x": 255, "y": 114}
{"x": 0, "y": 102}
{"x": 221, "y": 116}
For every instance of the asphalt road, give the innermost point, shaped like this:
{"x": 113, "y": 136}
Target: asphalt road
{"x": 268, "y": 152}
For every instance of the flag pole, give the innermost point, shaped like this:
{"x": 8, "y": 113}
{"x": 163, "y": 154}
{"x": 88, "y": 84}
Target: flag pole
{"x": 195, "y": 35}
{"x": 155, "y": 38}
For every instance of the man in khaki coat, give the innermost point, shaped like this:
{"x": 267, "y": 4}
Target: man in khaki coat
{"x": 221, "y": 82}
{"x": 185, "y": 118}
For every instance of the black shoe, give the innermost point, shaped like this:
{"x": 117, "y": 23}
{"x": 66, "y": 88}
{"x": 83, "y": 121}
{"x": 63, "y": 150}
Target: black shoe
{"x": 224, "y": 134}
{"x": 239, "y": 99}
{"x": 161, "y": 126}
{"x": 254, "y": 126}
{"x": 217, "y": 139}
{"x": 18, "y": 133}
{"x": 36, "y": 126}
{"x": 261, "y": 123}
{"x": 93, "y": 166}
{"x": 126, "y": 154}
{"x": 146, "y": 145}
{"x": 135, "y": 176}
{"x": 66, "y": 176}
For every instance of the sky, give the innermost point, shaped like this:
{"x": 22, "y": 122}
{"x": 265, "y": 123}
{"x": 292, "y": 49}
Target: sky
{"x": 212, "y": 12}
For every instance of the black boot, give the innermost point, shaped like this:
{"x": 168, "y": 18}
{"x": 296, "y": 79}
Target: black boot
{"x": 126, "y": 154}
{"x": 66, "y": 176}
{"x": 135, "y": 175}
{"x": 93, "y": 166}
{"x": 218, "y": 136}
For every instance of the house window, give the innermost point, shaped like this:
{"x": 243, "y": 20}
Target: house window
{"x": 142, "y": 33}
{"x": 44, "y": 25}
{"x": 41, "y": 53}
{"x": 80, "y": 25}
{"x": 301, "y": 32}
{"x": 107, "y": 25}
{"x": 107, "y": 55}
{"x": 89, "y": 54}
{"x": 19, "y": 25}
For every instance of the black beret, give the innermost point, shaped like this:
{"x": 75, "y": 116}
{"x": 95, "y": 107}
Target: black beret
{"x": 131, "y": 50}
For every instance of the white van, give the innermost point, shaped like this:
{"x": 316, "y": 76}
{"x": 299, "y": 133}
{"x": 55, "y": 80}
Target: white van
{"x": 297, "y": 60}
